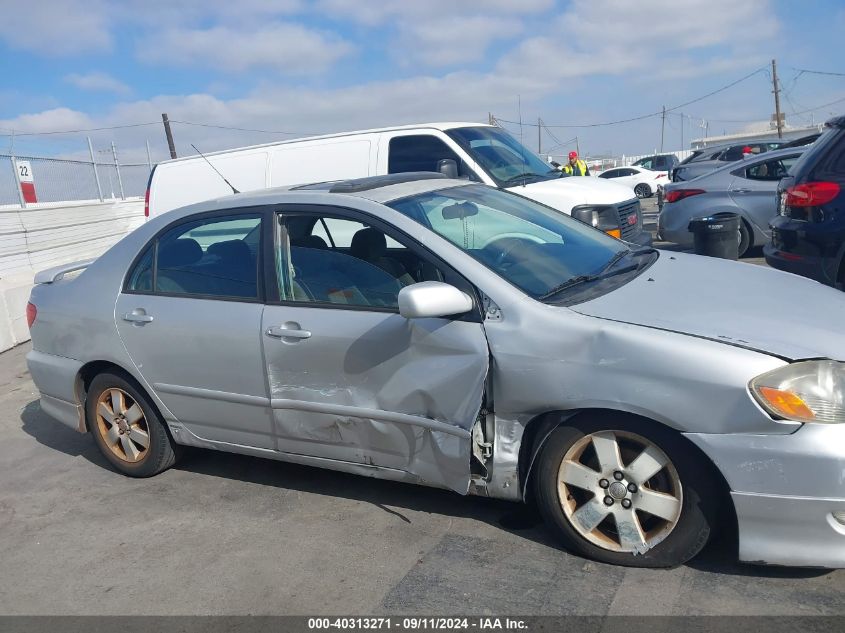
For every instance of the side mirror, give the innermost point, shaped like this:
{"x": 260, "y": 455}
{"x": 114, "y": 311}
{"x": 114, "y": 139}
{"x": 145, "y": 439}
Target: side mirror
{"x": 431, "y": 299}
{"x": 448, "y": 167}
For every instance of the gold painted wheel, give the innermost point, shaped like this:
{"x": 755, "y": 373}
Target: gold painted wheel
{"x": 122, "y": 426}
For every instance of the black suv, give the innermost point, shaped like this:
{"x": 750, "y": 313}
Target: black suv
{"x": 808, "y": 234}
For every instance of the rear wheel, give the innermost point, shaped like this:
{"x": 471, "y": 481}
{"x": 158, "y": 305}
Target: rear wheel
{"x": 643, "y": 190}
{"x": 127, "y": 429}
{"x": 625, "y": 495}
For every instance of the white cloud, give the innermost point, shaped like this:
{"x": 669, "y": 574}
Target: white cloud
{"x": 97, "y": 82}
{"x": 450, "y": 40}
{"x": 374, "y": 13}
{"x": 55, "y": 27}
{"x": 288, "y": 48}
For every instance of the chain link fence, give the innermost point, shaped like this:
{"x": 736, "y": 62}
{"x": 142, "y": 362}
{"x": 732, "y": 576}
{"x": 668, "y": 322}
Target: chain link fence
{"x": 25, "y": 180}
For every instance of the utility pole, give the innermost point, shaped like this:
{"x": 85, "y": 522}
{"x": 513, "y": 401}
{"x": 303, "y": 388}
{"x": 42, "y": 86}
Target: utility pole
{"x": 662, "y": 128}
{"x": 169, "y": 134}
{"x": 490, "y": 118}
{"x": 777, "y": 98}
{"x": 577, "y": 147}
{"x": 539, "y": 131}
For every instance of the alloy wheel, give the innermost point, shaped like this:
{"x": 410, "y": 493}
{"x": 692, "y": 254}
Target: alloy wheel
{"x": 619, "y": 491}
{"x": 122, "y": 425}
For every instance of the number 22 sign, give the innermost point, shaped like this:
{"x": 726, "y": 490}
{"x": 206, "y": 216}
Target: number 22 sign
{"x": 24, "y": 169}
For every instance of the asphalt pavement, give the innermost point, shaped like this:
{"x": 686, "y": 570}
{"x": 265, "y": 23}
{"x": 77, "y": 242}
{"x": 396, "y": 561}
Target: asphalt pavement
{"x": 228, "y": 534}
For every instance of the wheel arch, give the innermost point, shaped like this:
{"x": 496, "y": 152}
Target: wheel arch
{"x": 90, "y": 370}
{"x": 538, "y": 429}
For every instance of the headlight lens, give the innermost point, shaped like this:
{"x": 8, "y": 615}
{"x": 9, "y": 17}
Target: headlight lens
{"x": 809, "y": 391}
{"x": 603, "y": 218}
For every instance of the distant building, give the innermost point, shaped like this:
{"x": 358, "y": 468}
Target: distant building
{"x": 789, "y": 133}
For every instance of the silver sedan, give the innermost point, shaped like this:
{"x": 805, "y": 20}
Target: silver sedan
{"x": 421, "y": 329}
{"x": 747, "y": 188}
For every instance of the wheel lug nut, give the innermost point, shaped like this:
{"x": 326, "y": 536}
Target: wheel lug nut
{"x": 608, "y": 501}
{"x": 632, "y": 487}
{"x": 604, "y": 483}
{"x": 618, "y": 476}
{"x": 626, "y": 503}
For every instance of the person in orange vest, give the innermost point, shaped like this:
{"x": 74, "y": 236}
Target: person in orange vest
{"x": 576, "y": 166}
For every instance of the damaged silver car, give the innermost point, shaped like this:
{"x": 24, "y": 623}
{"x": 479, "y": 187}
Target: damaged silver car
{"x": 421, "y": 329}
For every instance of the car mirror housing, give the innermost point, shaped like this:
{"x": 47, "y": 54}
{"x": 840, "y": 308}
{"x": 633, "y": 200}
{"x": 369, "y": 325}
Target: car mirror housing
{"x": 432, "y": 299}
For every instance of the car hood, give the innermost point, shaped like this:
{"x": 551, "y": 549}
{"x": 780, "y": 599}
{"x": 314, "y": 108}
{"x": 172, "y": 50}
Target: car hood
{"x": 574, "y": 190}
{"x": 729, "y": 302}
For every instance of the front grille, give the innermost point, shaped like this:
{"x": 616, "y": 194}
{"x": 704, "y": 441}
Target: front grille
{"x": 626, "y": 209}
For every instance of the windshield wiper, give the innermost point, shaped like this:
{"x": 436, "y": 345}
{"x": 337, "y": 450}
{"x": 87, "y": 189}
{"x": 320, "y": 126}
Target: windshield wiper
{"x": 524, "y": 176}
{"x": 604, "y": 273}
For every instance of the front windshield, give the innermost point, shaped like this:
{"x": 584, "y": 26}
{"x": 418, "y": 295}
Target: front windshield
{"x": 503, "y": 157}
{"x": 535, "y": 248}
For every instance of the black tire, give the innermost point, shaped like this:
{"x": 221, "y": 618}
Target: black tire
{"x": 745, "y": 238}
{"x": 161, "y": 452}
{"x": 642, "y": 190}
{"x": 698, "y": 506}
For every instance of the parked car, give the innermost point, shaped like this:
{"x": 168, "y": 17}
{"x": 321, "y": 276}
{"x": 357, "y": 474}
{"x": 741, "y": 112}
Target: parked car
{"x": 435, "y": 331}
{"x": 478, "y": 153}
{"x": 714, "y": 157}
{"x": 643, "y": 181}
{"x": 747, "y": 188}
{"x": 660, "y": 162}
{"x": 808, "y": 233}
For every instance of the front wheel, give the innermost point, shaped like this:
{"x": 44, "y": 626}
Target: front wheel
{"x": 642, "y": 190}
{"x": 625, "y": 495}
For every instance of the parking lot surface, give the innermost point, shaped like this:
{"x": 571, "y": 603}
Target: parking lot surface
{"x": 227, "y": 534}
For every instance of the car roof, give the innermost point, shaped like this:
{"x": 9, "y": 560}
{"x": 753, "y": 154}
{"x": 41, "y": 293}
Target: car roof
{"x": 381, "y": 189}
{"x": 748, "y": 162}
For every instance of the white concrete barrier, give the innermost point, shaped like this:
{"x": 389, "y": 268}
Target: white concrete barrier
{"x": 45, "y": 235}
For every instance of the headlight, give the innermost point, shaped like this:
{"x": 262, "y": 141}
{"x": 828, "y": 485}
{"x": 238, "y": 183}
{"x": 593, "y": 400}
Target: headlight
{"x": 810, "y": 391}
{"x": 603, "y": 218}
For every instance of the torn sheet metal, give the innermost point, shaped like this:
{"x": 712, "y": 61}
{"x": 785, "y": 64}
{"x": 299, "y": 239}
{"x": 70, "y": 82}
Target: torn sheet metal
{"x": 380, "y": 390}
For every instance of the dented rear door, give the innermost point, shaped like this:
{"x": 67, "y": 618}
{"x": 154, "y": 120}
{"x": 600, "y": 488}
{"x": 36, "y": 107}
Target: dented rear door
{"x": 376, "y": 388}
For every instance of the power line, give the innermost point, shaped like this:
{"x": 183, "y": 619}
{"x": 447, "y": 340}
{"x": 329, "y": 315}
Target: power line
{"x": 652, "y": 114}
{"x": 804, "y": 71}
{"x": 240, "y": 129}
{"x": 90, "y": 129}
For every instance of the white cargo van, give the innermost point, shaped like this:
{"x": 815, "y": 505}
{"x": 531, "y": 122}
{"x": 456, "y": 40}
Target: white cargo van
{"x": 481, "y": 153}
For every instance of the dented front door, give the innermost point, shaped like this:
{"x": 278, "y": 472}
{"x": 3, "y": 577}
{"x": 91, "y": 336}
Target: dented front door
{"x": 372, "y": 387}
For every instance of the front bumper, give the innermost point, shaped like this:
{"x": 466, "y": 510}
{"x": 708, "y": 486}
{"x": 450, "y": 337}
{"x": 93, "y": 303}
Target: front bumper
{"x": 643, "y": 238}
{"x": 785, "y": 490}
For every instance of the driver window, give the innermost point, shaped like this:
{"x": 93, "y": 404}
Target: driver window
{"x": 332, "y": 260}
{"x": 421, "y": 152}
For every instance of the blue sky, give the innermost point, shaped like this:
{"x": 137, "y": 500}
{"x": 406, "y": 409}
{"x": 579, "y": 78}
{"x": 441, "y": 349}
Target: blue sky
{"x": 334, "y": 65}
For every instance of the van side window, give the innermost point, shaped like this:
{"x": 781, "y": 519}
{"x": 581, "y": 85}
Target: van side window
{"x": 420, "y": 152}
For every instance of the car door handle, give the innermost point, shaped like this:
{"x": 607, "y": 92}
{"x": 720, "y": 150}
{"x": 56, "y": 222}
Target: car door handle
{"x": 137, "y": 316}
{"x": 740, "y": 190}
{"x": 277, "y": 331}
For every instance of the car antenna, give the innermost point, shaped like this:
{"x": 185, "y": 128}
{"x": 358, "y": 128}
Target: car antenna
{"x": 215, "y": 169}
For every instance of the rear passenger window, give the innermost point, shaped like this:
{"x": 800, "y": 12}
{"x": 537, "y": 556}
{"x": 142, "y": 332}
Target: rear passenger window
{"x": 215, "y": 257}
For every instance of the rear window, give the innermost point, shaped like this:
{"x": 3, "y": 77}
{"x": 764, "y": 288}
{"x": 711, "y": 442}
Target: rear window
{"x": 831, "y": 146}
